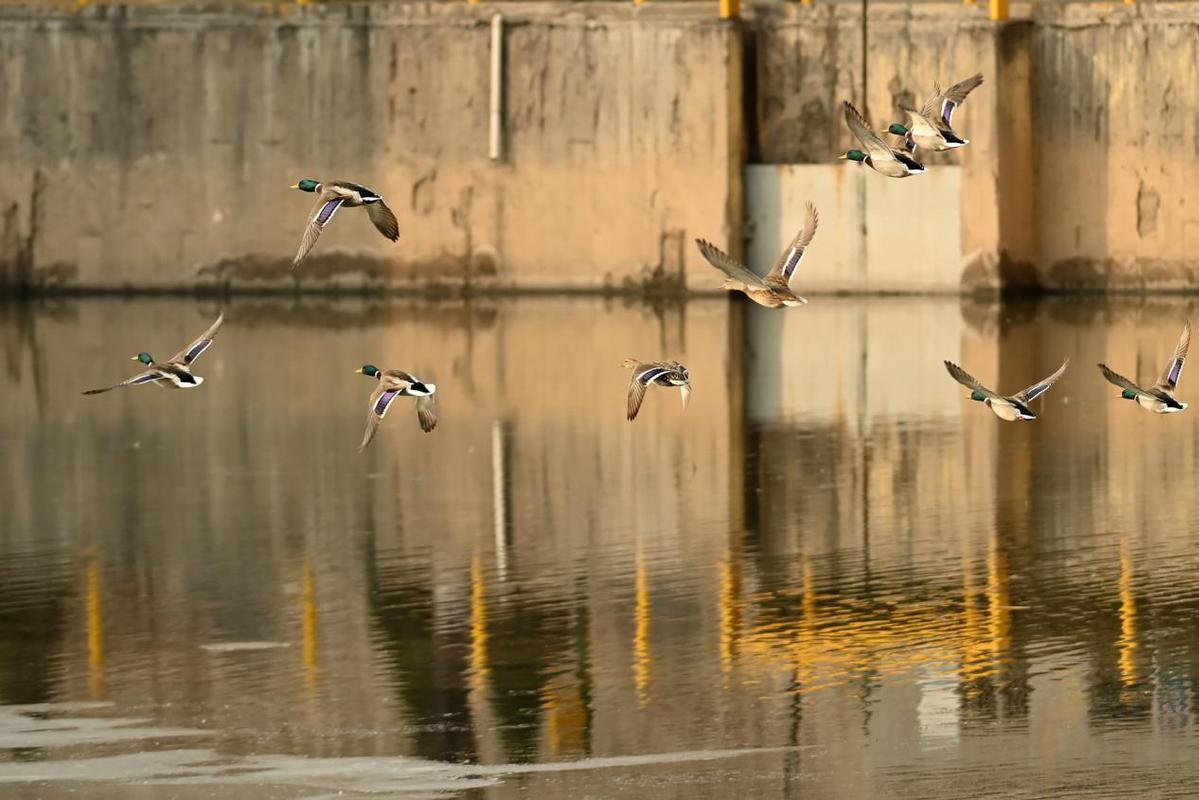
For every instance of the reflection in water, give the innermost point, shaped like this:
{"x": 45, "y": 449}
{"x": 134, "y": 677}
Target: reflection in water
{"x": 642, "y": 660}
{"x": 95, "y": 632}
{"x": 831, "y": 559}
{"x": 308, "y": 627}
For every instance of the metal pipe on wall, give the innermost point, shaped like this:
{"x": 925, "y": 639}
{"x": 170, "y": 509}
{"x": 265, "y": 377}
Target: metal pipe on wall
{"x": 495, "y": 143}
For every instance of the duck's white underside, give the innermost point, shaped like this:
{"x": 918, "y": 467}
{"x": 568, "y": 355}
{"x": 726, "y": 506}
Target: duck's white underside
{"x": 1007, "y": 411}
{"x": 1157, "y": 406}
{"x": 173, "y": 382}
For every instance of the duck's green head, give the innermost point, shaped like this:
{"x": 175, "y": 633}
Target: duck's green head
{"x": 853, "y": 155}
{"x": 369, "y": 370}
{"x": 897, "y": 129}
{"x": 1128, "y": 394}
{"x": 977, "y": 395}
{"x": 144, "y": 358}
{"x": 306, "y": 185}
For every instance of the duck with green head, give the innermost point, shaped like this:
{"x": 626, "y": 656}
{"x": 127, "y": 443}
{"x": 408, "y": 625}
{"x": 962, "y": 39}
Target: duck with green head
{"x": 1007, "y": 407}
{"x": 331, "y": 196}
{"x": 877, "y": 154}
{"x": 930, "y": 127}
{"x": 1158, "y": 398}
{"x": 395, "y": 383}
{"x": 175, "y": 372}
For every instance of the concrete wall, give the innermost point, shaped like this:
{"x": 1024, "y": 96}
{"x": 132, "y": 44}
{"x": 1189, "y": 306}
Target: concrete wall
{"x": 869, "y": 237}
{"x": 157, "y": 150}
{"x": 1115, "y": 110}
{"x": 916, "y": 234}
{"x": 1083, "y": 136}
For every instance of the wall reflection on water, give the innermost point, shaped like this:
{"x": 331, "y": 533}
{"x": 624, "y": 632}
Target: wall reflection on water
{"x": 830, "y": 548}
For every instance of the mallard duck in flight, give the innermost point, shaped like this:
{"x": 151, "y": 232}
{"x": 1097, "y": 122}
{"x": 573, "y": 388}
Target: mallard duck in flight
{"x": 334, "y": 195}
{"x": 1160, "y": 397}
{"x": 394, "y": 383}
{"x": 1009, "y": 408}
{"x": 878, "y": 154}
{"x": 930, "y": 127}
{"x": 661, "y": 373}
{"x": 775, "y": 289}
{"x": 175, "y": 372}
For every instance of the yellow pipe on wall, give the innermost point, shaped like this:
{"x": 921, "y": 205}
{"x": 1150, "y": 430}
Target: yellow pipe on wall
{"x": 730, "y": 9}
{"x": 1000, "y": 10}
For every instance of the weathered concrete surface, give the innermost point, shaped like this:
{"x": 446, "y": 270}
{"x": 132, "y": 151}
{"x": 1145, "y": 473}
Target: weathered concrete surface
{"x": 1115, "y": 112}
{"x": 1083, "y": 136}
{"x": 810, "y": 58}
{"x": 157, "y": 150}
{"x": 869, "y": 239}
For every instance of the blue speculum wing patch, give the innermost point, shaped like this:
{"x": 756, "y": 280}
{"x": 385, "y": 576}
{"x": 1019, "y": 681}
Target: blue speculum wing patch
{"x": 326, "y": 213}
{"x": 791, "y": 263}
{"x": 385, "y": 401}
{"x": 1175, "y": 371}
{"x": 194, "y": 353}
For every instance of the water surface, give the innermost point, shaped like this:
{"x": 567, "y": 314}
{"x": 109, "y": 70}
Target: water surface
{"x": 832, "y": 576}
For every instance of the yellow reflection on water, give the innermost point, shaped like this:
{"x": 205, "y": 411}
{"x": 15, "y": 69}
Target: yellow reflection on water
{"x": 566, "y": 716}
{"x": 308, "y": 625}
{"x": 95, "y": 631}
{"x": 977, "y": 650}
{"x": 730, "y": 609}
{"x": 1128, "y": 618}
{"x": 832, "y": 639}
{"x": 999, "y": 600}
{"x": 641, "y": 651}
{"x": 480, "y": 670}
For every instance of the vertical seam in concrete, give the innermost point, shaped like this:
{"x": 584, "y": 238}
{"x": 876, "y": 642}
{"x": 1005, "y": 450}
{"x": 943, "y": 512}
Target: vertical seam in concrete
{"x": 865, "y": 85}
{"x": 864, "y": 279}
{"x": 735, "y": 131}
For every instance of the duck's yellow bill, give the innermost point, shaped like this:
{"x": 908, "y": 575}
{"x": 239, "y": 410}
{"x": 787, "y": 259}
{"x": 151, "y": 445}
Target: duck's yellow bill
{"x": 358, "y": 371}
{"x": 843, "y": 157}
{"x": 134, "y": 358}
{"x": 294, "y": 186}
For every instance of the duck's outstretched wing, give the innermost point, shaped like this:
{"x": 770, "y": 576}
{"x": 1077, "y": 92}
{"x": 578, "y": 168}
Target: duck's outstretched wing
{"x": 953, "y": 97}
{"x": 149, "y": 376}
{"x": 643, "y": 376}
{"x": 1040, "y": 387}
{"x": 875, "y": 147}
{"x": 384, "y": 219}
{"x": 320, "y": 216}
{"x": 966, "y": 379}
{"x": 1173, "y": 371}
{"x": 726, "y": 264}
{"x": 426, "y": 412}
{"x": 190, "y": 353}
{"x": 636, "y": 395}
{"x": 789, "y": 261}
{"x": 1117, "y": 379}
{"x": 381, "y": 400}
